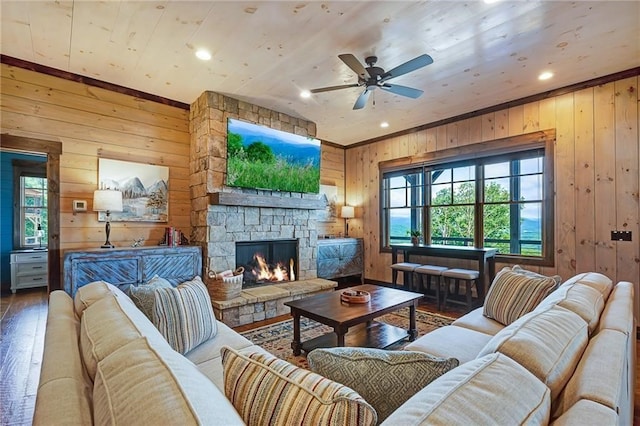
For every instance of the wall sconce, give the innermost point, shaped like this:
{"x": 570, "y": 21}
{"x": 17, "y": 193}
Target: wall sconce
{"x": 107, "y": 200}
{"x": 347, "y": 212}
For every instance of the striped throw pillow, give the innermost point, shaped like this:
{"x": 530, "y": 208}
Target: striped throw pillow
{"x": 184, "y": 315}
{"x": 515, "y": 292}
{"x": 266, "y": 390}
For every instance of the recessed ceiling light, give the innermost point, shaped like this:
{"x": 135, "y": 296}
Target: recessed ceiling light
{"x": 546, "y": 75}
{"x": 384, "y": 124}
{"x": 305, "y": 94}
{"x": 203, "y": 54}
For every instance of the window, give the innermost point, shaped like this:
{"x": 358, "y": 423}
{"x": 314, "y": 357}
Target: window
{"x": 501, "y": 197}
{"x": 30, "y": 212}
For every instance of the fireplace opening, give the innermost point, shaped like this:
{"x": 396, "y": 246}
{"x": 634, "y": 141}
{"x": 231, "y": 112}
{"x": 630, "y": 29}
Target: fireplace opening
{"x": 267, "y": 261}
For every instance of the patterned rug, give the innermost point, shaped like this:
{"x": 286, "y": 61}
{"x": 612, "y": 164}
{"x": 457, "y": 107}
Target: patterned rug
{"x": 276, "y": 338}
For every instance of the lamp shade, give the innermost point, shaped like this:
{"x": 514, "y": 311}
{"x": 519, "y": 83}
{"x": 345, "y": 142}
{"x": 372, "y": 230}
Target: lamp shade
{"x": 107, "y": 200}
{"x": 347, "y": 212}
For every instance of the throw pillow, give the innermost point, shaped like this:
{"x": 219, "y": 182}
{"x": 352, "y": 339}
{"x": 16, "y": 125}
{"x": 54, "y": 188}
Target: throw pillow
{"x": 385, "y": 379}
{"x": 515, "y": 292}
{"x": 144, "y": 295}
{"x": 184, "y": 315}
{"x": 267, "y": 390}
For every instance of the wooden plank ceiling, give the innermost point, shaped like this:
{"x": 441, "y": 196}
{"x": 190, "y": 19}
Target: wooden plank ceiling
{"x": 266, "y": 52}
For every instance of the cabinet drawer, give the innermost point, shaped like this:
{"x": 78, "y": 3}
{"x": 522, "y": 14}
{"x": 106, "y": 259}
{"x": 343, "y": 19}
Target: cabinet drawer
{"x": 30, "y": 281}
{"x": 23, "y": 269}
{"x": 29, "y": 257}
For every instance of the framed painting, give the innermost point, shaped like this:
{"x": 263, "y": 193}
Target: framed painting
{"x": 144, "y": 187}
{"x": 329, "y": 193}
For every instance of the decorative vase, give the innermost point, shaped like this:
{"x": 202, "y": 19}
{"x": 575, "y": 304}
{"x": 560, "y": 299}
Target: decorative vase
{"x": 415, "y": 240}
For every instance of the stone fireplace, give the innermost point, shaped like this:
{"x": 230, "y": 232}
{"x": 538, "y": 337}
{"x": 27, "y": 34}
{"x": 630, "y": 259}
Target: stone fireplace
{"x": 267, "y": 261}
{"x": 222, "y": 217}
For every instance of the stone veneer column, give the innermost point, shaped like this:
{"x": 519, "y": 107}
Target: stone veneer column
{"x": 216, "y": 228}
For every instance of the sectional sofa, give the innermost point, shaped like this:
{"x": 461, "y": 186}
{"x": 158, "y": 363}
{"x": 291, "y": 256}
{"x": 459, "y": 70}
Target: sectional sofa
{"x": 569, "y": 361}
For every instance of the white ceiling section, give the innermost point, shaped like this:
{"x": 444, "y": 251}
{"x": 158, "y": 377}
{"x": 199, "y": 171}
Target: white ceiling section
{"x": 266, "y": 52}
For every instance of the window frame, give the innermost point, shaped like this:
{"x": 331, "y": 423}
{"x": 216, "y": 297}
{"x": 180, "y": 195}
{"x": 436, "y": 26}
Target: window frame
{"x": 24, "y": 168}
{"x": 504, "y": 147}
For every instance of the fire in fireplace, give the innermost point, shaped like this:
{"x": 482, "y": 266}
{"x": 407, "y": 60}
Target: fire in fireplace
{"x": 267, "y": 261}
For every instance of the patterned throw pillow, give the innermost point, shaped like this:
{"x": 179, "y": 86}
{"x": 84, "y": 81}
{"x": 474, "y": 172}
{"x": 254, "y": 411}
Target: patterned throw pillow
{"x": 386, "y": 379}
{"x": 515, "y": 292}
{"x": 267, "y": 390}
{"x": 184, "y": 315}
{"x": 143, "y": 295}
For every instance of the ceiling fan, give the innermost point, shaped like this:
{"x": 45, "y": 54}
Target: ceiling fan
{"x": 373, "y": 77}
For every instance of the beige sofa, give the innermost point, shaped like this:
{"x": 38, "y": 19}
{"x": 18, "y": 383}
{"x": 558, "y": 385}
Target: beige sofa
{"x": 571, "y": 361}
{"x": 580, "y": 373}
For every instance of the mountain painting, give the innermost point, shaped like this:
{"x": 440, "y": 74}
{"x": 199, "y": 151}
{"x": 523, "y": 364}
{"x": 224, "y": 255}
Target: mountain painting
{"x": 144, "y": 187}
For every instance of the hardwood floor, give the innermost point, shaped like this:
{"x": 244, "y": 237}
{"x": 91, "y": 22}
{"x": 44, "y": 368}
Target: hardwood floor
{"x": 24, "y": 316}
{"x": 23, "y": 322}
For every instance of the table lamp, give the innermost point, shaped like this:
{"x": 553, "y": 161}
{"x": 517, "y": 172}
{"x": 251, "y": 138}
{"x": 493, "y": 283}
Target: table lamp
{"x": 347, "y": 213}
{"x": 107, "y": 200}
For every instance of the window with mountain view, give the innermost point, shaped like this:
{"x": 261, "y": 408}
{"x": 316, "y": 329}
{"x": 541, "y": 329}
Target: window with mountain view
{"x": 496, "y": 200}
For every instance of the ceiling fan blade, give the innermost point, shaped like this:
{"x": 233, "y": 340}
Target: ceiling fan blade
{"x": 409, "y": 92}
{"x": 362, "y": 99}
{"x": 413, "y": 64}
{"x": 330, "y": 88}
{"x": 353, "y": 63}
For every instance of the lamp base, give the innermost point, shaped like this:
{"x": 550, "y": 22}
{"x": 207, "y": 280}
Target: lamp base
{"x": 107, "y": 246}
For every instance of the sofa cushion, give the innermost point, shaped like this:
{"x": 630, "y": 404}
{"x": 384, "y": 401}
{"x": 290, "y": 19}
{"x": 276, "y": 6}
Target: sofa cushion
{"x": 596, "y": 280}
{"x": 137, "y": 385}
{"x": 207, "y": 355}
{"x": 599, "y": 373}
{"x": 548, "y": 342}
{"x": 64, "y": 390}
{"x": 90, "y": 293}
{"x": 143, "y": 295}
{"x": 385, "y": 379}
{"x": 184, "y": 315}
{"x": 451, "y": 341}
{"x": 515, "y": 292}
{"x": 579, "y": 298}
{"x": 475, "y": 320}
{"x": 585, "y": 412}
{"x": 268, "y": 390}
{"x": 618, "y": 312}
{"x": 110, "y": 323}
{"x": 460, "y": 397}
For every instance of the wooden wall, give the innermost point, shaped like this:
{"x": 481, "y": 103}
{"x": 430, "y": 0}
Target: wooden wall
{"x": 91, "y": 123}
{"x": 597, "y": 176}
{"x": 332, "y": 173}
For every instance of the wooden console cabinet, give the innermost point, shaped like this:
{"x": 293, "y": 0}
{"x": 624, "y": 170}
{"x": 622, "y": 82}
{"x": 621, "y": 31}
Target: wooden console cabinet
{"x": 29, "y": 269}
{"x": 126, "y": 266}
{"x": 340, "y": 257}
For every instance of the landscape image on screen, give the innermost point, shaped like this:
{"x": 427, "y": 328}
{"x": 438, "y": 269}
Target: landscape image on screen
{"x": 263, "y": 158}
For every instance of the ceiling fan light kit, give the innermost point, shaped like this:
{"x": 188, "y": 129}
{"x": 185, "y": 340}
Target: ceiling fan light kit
{"x": 373, "y": 77}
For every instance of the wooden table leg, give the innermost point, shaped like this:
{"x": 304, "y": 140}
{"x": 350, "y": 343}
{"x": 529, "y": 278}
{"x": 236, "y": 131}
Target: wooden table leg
{"x": 413, "y": 332}
{"x": 340, "y": 333}
{"x": 296, "y": 345}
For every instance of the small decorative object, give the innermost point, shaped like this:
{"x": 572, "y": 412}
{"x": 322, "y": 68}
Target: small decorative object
{"x": 225, "y": 285}
{"x": 107, "y": 200}
{"x": 355, "y": 296}
{"x": 137, "y": 242}
{"x": 347, "y": 213}
{"x": 415, "y": 236}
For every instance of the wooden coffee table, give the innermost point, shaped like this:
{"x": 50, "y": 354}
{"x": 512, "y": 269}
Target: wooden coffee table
{"x": 328, "y": 309}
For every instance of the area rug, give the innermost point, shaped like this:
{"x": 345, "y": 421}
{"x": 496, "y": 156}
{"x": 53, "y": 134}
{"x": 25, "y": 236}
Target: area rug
{"x": 276, "y": 338}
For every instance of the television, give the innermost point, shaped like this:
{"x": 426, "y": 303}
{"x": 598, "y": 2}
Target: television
{"x": 259, "y": 157}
